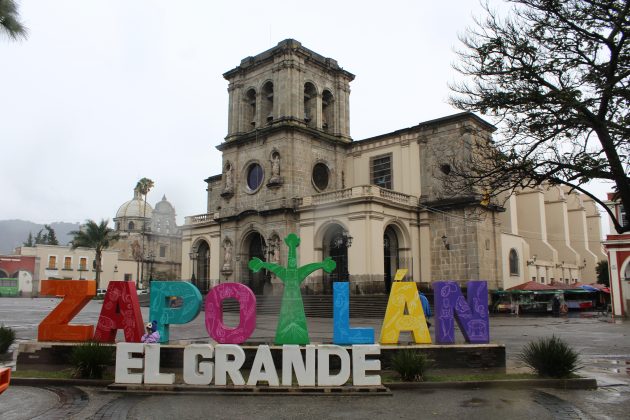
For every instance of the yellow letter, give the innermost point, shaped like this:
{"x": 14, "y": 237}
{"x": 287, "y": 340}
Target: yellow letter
{"x": 404, "y": 294}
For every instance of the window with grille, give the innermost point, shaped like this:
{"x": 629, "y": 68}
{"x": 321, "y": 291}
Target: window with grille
{"x": 52, "y": 262}
{"x": 67, "y": 263}
{"x": 83, "y": 264}
{"x": 381, "y": 171}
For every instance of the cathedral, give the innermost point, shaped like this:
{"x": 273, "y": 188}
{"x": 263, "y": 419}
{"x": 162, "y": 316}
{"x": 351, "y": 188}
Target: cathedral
{"x": 150, "y": 241}
{"x": 375, "y": 205}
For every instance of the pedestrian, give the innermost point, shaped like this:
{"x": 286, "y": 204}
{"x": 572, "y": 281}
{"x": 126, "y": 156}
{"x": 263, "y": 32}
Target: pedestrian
{"x": 555, "y": 306}
{"x": 151, "y": 335}
{"x": 426, "y": 308}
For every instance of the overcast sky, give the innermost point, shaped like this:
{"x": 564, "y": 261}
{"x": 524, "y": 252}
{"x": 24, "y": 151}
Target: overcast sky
{"x": 103, "y": 93}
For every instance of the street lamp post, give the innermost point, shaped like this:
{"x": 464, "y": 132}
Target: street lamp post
{"x": 193, "y": 257}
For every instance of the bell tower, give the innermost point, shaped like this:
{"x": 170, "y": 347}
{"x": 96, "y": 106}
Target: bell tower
{"x": 289, "y": 85}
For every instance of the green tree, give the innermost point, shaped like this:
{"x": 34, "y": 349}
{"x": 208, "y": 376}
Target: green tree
{"x": 603, "y": 276}
{"x": 29, "y": 241}
{"x": 143, "y": 187}
{"x": 10, "y": 20}
{"x": 95, "y": 235}
{"x": 50, "y": 238}
{"x": 555, "y": 74}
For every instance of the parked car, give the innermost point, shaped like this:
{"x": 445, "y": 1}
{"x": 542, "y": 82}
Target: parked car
{"x": 142, "y": 291}
{"x": 101, "y": 292}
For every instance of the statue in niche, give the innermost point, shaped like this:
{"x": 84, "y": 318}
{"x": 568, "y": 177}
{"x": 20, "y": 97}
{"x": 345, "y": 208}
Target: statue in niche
{"x": 229, "y": 179}
{"x": 274, "y": 249}
{"x": 227, "y": 255}
{"x": 275, "y": 169}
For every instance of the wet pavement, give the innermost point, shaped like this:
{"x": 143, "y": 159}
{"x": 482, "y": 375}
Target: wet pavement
{"x": 603, "y": 343}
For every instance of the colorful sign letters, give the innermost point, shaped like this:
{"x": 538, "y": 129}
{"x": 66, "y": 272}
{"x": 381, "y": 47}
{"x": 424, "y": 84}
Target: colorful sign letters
{"x": 180, "y": 302}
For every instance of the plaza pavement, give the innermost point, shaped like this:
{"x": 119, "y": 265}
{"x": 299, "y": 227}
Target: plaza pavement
{"x": 603, "y": 343}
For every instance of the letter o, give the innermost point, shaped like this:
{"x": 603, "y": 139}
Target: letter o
{"x": 214, "y": 313}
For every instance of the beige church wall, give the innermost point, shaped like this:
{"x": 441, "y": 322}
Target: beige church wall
{"x": 509, "y": 242}
{"x": 210, "y": 233}
{"x": 509, "y": 218}
{"x": 532, "y": 224}
{"x": 404, "y": 150}
{"x": 578, "y": 235}
{"x": 366, "y": 224}
{"x": 594, "y": 228}
{"x": 557, "y": 223}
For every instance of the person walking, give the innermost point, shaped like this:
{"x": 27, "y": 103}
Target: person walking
{"x": 426, "y": 308}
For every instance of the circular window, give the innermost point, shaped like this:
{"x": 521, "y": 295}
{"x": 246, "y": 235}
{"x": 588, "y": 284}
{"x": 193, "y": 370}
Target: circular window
{"x": 320, "y": 176}
{"x": 255, "y": 176}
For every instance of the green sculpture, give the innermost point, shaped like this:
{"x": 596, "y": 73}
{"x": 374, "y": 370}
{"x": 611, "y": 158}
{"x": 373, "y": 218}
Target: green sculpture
{"x": 292, "y": 328}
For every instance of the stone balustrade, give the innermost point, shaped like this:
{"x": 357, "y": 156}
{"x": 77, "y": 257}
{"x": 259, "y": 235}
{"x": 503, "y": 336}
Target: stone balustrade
{"x": 357, "y": 192}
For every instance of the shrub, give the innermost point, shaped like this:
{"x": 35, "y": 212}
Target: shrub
{"x": 7, "y": 337}
{"x": 90, "y": 359}
{"x": 410, "y": 365}
{"x": 551, "y": 357}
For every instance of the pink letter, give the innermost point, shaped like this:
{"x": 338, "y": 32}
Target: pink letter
{"x": 214, "y": 313}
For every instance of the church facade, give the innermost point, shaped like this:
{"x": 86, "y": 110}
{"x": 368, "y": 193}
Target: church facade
{"x": 289, "y": 164}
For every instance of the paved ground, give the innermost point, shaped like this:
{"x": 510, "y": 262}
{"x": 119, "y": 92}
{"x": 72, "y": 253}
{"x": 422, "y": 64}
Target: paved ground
{"x": 604, "y": 345}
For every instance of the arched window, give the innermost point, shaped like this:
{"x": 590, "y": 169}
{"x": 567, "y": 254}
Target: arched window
{"x": 267, "y": 102}
{"x": 310, "y": 98}
{"x": 327, "y": 110}
{"x": 250, "y": 110}
{"x": 513, "y": 262}
{"x": 131, "y": 226}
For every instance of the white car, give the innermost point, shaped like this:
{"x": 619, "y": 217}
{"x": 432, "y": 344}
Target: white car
{"x": 142, "y": 291}
{"x": 101, "y": 292}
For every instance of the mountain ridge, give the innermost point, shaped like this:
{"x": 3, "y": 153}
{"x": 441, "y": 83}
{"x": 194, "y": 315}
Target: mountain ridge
{"x": 14, "y": 232}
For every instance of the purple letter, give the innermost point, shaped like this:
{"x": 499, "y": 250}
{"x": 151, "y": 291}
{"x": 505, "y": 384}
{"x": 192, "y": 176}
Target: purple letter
{"x": 472, "y": 315}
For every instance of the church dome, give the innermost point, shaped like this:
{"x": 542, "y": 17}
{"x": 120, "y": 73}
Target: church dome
{"x": 135, "y": 208}
{"x": 164, "y": 206}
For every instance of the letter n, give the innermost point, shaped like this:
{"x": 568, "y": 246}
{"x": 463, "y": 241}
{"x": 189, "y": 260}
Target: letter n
{"x": 471, "y": 314}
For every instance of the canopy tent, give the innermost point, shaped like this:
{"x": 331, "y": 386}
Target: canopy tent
{"x": 530, "y": 286}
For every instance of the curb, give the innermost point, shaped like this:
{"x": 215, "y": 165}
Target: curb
{"x": 43, "y": 382}
{"x": 576, "y": 383}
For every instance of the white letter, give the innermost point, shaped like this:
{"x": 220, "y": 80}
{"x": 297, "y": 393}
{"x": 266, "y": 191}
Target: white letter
{"x": 152, "y": 373}
{"x": 203, "y": 375}
{"x": 125, "y": 361}
{"x": 292, "y": 362}
{"x": 264, "y": 360}
{"x": 223, "y": 366}
{"x": 360, "y": 365}
{"x": 324, "y": 378}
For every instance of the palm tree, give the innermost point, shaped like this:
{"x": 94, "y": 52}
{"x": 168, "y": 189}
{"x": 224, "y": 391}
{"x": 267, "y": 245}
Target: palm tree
{"x": 98, "y": 236}
{"x": 143, "y": 187}
{"x": 9, "y": 22}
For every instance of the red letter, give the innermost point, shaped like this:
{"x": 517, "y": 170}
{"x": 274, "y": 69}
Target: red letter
{"x": 121, "y": 310}
{"x": 76, "y": 294}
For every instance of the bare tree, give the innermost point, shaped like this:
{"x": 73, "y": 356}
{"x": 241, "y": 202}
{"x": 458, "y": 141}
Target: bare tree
{"x": 555, "y": 74}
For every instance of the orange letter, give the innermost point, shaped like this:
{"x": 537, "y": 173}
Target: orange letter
{"x": 76, "y": 294}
